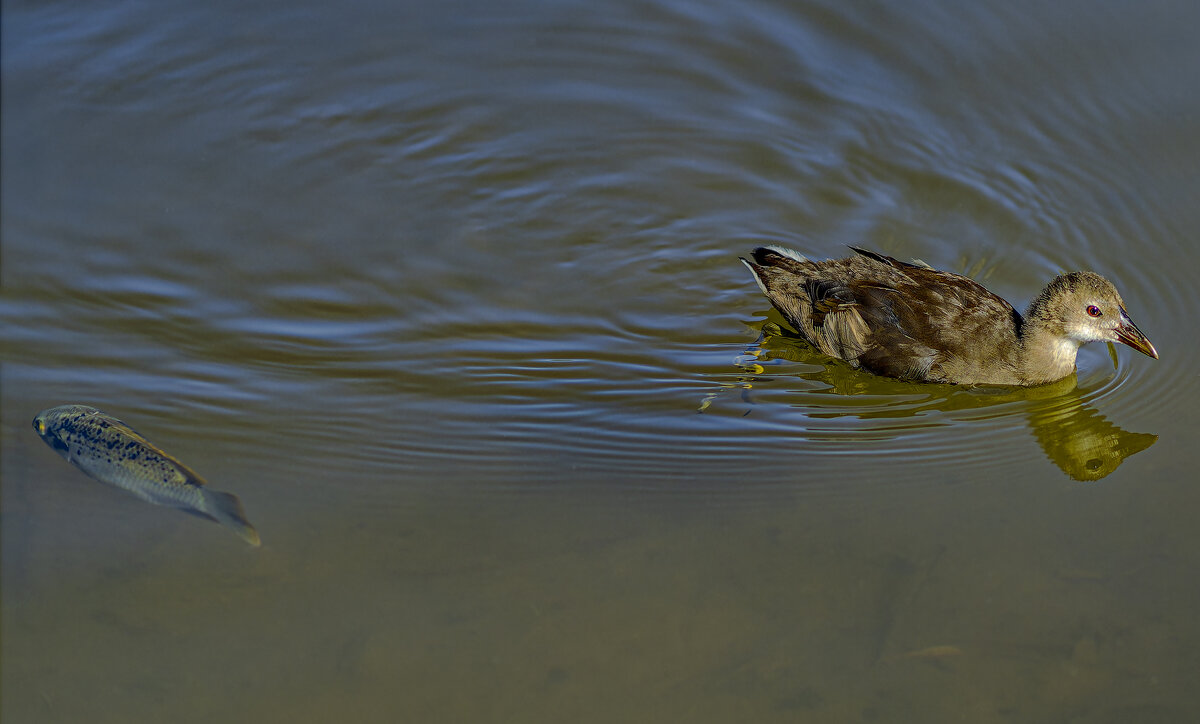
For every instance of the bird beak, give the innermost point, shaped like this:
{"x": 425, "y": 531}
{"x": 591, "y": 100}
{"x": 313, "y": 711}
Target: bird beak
{"x": 1128, "y": 333}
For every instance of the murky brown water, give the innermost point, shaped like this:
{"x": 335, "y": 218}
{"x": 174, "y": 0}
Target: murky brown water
{"x": 449, "y": 295}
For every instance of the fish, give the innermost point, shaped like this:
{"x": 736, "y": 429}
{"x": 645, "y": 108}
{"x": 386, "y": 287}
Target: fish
{"x": 114, "y": 453}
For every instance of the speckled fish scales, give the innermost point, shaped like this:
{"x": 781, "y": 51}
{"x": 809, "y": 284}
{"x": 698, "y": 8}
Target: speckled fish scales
{"x": 114, "y": 453}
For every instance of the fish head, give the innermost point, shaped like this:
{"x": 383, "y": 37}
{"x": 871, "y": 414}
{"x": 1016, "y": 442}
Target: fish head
{"x": 49, "y": 433}
{"x": 52, "y": 423}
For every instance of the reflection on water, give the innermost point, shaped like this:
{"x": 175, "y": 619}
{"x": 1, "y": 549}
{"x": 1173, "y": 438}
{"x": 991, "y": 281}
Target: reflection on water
{"x": 1081, "y": 441}
{"x": 1074, "y": 436}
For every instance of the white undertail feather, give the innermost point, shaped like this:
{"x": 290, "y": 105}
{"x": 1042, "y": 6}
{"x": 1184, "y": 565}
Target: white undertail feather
{"x": 757, "y": 281}
{"x": 789, "y": 253}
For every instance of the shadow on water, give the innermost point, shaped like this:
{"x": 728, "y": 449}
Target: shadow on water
{"x": 1083, "y": 443}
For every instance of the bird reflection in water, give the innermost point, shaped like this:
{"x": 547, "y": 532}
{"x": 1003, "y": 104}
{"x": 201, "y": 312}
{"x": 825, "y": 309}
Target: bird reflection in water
{"x": 1072, "y": 434}
{"x": 1081, "y": 441}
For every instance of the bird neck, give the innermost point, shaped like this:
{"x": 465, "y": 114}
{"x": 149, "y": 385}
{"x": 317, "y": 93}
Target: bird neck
{"x": 1048, "y": 355}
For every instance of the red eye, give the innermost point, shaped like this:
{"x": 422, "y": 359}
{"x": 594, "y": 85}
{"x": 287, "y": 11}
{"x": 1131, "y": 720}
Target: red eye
{"x": 1094, "y": 311}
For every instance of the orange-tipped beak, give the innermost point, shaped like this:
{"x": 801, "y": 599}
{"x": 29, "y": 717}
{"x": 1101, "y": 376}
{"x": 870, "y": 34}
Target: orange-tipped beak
{"x": 1128, "y": 333}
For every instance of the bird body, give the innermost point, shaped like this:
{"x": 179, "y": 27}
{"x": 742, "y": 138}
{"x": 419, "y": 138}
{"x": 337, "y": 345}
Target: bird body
{"x": 913, "y": 322}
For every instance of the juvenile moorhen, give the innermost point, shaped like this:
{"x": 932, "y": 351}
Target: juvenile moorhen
{"x": 916, "y": 323}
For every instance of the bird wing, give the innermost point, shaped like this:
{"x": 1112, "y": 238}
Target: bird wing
{"x": 836, "y": 322}
{"x": 937, "y": 319}
{"x": 890, "y": 317}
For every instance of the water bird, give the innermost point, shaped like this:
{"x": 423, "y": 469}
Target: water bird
{"x": 916, "y": 323}
{"x": 114, "y": 453}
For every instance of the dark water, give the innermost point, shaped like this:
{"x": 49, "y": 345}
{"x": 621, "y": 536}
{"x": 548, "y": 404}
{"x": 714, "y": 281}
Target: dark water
{"x": 449, "y": 295}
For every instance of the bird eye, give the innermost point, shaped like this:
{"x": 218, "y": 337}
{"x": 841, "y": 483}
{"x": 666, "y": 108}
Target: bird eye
{"x": 1094, "y": 311}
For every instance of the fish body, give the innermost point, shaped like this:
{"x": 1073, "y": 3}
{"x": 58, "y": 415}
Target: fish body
{"x": 114, "y": 453}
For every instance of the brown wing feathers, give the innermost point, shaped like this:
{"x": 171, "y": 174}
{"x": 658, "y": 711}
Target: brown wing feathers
{"x": 847, "y": 308}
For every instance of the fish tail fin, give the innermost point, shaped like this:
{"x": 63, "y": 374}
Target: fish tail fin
{"x": 227, "y": 510}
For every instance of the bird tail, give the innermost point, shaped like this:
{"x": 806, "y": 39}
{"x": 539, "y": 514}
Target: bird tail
{"x": 227, "y": 510}
{"x": 756, "y": 270}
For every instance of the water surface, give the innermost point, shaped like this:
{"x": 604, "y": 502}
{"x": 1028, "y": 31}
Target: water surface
{"x": 449, "y": 295}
